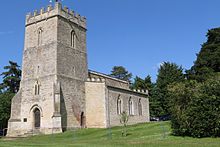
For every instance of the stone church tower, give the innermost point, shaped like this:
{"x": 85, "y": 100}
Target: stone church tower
{"x": 54, "y": 73}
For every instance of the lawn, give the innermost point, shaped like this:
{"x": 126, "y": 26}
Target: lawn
{"x": 156, "y": 134}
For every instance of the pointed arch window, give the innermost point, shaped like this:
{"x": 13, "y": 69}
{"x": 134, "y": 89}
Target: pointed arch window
{"x": 73, "y": 39}
{"x": 119, "y": 106}
{"x": 130, "y": 107}
{"x": 40, "y": 34}
{"x": 139, "y": 107}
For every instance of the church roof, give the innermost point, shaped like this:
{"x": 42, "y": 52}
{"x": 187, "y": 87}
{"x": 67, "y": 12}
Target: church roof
{"x": 107, "y": 76}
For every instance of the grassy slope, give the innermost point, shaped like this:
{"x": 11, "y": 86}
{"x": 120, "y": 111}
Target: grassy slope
{"x": 142, "y": 135}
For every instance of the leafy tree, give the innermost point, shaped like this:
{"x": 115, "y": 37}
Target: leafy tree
{"x": 139, "y": 83}
{"x": 11, "y": 78}
{"x": 208, "y": 59}
{"x": 124, "y": 120}
{"x": 196, "y": 108}
{"x": 168, "y": 73}
{"x": 10, "y": 86}
{"x": 120, "y": 72}
{"x": 5, "y": 108}
{"x": 148, "y": 83}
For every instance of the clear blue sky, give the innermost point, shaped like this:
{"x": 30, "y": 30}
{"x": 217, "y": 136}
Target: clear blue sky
{"x": 137, "y": 34}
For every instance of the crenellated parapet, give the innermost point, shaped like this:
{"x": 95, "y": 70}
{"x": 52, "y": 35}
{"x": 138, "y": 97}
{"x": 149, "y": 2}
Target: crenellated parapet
{"x": 141, "y": 91}
{"x": 98, "y": 80}
{"x": 56, "y": 10}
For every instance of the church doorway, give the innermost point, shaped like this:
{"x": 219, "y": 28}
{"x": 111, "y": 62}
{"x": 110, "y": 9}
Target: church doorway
{"x": 82, "y": 120}
{"x": 36, "y": 118}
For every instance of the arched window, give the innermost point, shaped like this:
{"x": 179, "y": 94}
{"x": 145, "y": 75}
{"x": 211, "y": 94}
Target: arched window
{"x": 73, "y": 39}
{"x": 37, "y": 118}
{"x": 40, "y": 32}
{"x": 130, "y": 107}
{"x": 119, "y": 106}
{"x": 139, "y": 107}
{"x": 37, "y": 88}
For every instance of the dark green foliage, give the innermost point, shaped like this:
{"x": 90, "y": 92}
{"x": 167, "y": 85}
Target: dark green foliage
{"x": 195, "y": 105}
{"x": 168, "y": 73}
{"x": 140, "y": 83}
{"x": 148, "y": 83}
{"x": 11, "y": 78}
{"x": 5, "y": 108}
{"x": 196, "y": 108}
{"x": 10, "y": 86}
{"x": 208, "y": 59}
{"x": 120, "y": 72}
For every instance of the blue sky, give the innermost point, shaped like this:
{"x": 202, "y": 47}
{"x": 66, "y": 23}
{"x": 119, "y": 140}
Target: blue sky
{"x": 137, "y": 34}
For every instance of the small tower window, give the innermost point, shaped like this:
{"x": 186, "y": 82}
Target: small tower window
{"x": 37, "y": 88}
{"x": 73, "y": 39}
{"x": 139, "y": 107}
{"x": 130, "y": 107}
{"x": 40, "y": 32}
{"x": 119, "y": 106}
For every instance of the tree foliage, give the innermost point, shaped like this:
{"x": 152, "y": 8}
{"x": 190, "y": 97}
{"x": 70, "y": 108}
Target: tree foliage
{"x": 8, "y": 88}
{"x": 120, "y": 72}
{"x": 196, "y": 108}
{"x": 195, "y": 103}
{"x": 208, "y": 59}
{"x": 5, "y": 108}
{"x": 140, "y": 83}
{"x": 168, "y": 73}
{"x": 11, "y": 78}
{"x": 124, "y": 121}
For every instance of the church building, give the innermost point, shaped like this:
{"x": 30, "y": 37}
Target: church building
{"x": 57, "y": 91}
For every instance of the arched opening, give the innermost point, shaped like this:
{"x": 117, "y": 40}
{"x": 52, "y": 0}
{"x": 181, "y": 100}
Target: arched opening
{"x": 139, "y": 107}
{"x": 40, "y": 32}
{"x": 130, "y": 107}
{"x": 82, "y": 120}
{"x": 37, "y": 88}
{"x": 73, "y": 39}
{"x": 37, "y": 118}
{"x": 119, "y": 106}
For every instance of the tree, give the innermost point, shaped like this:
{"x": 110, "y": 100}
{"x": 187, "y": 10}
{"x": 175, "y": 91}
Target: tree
{"x": 196, "y": 108}
{"x": 168, "y": 73}
{"x": 148, "y": 83}
{"x": 11, "y": 78}
{"x": 10, "y": 86}
{"x": 208, "y": 59}
{"x": 124, "y": 120}
{"x": 139, "y": 83}
{"x": 120, "y": 72}
{"x": 5, "y": 108}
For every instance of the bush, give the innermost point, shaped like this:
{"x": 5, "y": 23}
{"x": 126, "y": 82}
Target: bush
{"x": 195, "y": 108}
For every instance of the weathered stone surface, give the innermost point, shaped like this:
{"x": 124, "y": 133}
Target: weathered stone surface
{"x": 57, "y": 92}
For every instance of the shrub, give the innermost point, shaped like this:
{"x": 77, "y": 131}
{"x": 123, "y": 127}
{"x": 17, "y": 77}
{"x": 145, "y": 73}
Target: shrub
{"x": 195, "y": 108}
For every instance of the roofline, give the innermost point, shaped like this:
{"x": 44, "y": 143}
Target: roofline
{"x": 129, "y": 90}
{"x": 107, "y": 76}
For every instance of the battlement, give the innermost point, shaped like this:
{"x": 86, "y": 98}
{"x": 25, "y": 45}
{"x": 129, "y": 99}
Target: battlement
{"x": 141, "y": 91}
{"x": 57, "y": 10}
{"x": 98, "y": 80}
{"x": 102, "y": 80}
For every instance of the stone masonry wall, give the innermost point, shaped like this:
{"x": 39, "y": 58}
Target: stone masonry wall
{"x": 114, "y": 94}
{"x": 95, "y": 105}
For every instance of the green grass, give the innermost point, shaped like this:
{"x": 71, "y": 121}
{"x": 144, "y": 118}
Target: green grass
{"x": 155, "y": 134}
